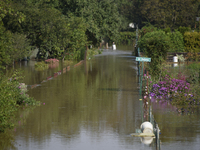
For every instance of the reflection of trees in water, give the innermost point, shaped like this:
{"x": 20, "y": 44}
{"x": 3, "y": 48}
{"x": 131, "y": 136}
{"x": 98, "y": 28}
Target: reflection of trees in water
{"x": 75, "y": 99}
{"x": 175, "y": 126}
{"x": 6, "y": 140}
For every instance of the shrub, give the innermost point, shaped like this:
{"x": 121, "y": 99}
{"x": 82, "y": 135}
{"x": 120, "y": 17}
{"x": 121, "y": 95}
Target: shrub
{"x": 126, "y": 38}
{"x": 169, "y": 88}
{"x": 194, "y": 73}
{"x": 67, "y": 62}
{"x": 146, "y": 29}
{"x": 13, "y": 94}
{"x": 177, "y": 91}
{"x": 40, "y": 66}
{"x": 23, "y": 98}
{"x": 92, "y": 52}
{"x": 167, "y": 30}
{"x": 177, "y": 43}
{"x": 155, "y": 45}
{"x": 192, "y": 43}
{"x": 182, "y": 30}
{"x": 8, "y": 103}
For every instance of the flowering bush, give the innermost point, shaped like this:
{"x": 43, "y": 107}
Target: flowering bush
{"x": 53, "y": 63}
{"x": 177, "y": 91}
{"x": 52, "y": 60}
{"x": 169, "y": 87}
{"x": 22, "y": 87}
{"x": 23, "y": 98}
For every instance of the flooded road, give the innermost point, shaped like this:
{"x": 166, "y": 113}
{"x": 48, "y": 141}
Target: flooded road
{"x": 95, "y": 106}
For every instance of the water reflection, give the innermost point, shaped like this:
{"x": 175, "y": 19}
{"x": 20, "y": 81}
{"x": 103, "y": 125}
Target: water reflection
{"x": 95, "y": 106}
{"x": 92, "y": 106}
{"x": 177, "y": 131}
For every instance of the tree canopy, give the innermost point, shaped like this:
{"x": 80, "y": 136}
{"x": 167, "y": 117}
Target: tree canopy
{"x": 57, "y": 27}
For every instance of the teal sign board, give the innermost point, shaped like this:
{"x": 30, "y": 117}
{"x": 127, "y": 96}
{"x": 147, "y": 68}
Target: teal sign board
{"x": 143, "y": 59}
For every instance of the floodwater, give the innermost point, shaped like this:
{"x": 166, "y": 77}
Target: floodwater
{"x": 94, "y": 106}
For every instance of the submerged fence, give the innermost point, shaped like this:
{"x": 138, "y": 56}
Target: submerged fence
{"x": 156, "y": 129}
{"x": 146, "y": 107}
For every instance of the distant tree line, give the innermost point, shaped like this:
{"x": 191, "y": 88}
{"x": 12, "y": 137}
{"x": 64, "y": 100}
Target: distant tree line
{"x": 57, "y": 27}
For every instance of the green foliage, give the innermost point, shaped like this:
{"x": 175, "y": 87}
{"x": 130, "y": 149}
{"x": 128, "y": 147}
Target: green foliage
{"x": 184, "y": 29}
{"x": 92, "y": 52}
{"x": 167, "y": 30}
{"x": 50, "y": 33}
{"x": 146, "y": 29}
{"x": 12, "y": 94}
{"x": 155, "y": 45}
{"x": 126, "y": 38}
{"x": 67, "y": 62}
{"x": 181, "y": 58}
{"x": 171, "y": 14}
{"x": 5, "y": 47}
{"x": 78, "y": 39}
{"x": 102, "y": 18}
{"x": 177, "y": 43}
{"x": 21, "y": 46}
{"x": 192, "y": 42}
{"x": 9, "y": 92}
{"x": 40, "y": 66}
{"x": 194, "y": 66}
{"x": 194, "y": 73}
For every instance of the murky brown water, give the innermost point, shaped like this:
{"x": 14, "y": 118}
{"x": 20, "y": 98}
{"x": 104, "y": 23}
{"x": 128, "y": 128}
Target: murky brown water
{"x": 94, "y": 106}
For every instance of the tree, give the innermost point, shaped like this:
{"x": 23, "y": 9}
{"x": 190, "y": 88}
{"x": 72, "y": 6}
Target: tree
{"x": 101, "y": 17}
{"x": 5, "y": 47}
{"x": 172, "y": 13}
{"x": 78, "y": 39}
{"x": 21, "y": 46}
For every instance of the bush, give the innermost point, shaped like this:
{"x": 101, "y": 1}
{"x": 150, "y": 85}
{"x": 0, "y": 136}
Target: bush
{"x": 192, "y": 42}
{"x": 67, "y": 62}
{"x": 8, "y": 103}
{"x": 176, "y": 91}
{"x": 126, "y": 38}
{"x": 40, "y": 66}
{"x": 167, "y": 30}
{"x": 13, "y": 94}
{"x": 146, "y": 29}
{"x": 194, "y": 73}
{"x": 155, "y": 45}
{"x": 182, "y": 30}
{"x": 92, "y": 52}
{"x": 177, "y": 43}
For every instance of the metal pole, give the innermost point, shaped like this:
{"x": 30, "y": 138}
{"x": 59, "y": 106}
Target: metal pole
{"x": 141, "y": 102}
{"x": 136, "y": 35}
{"x": 139, "y": 63}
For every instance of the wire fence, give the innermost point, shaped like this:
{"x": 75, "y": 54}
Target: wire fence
{"x": 156, "y": 129}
